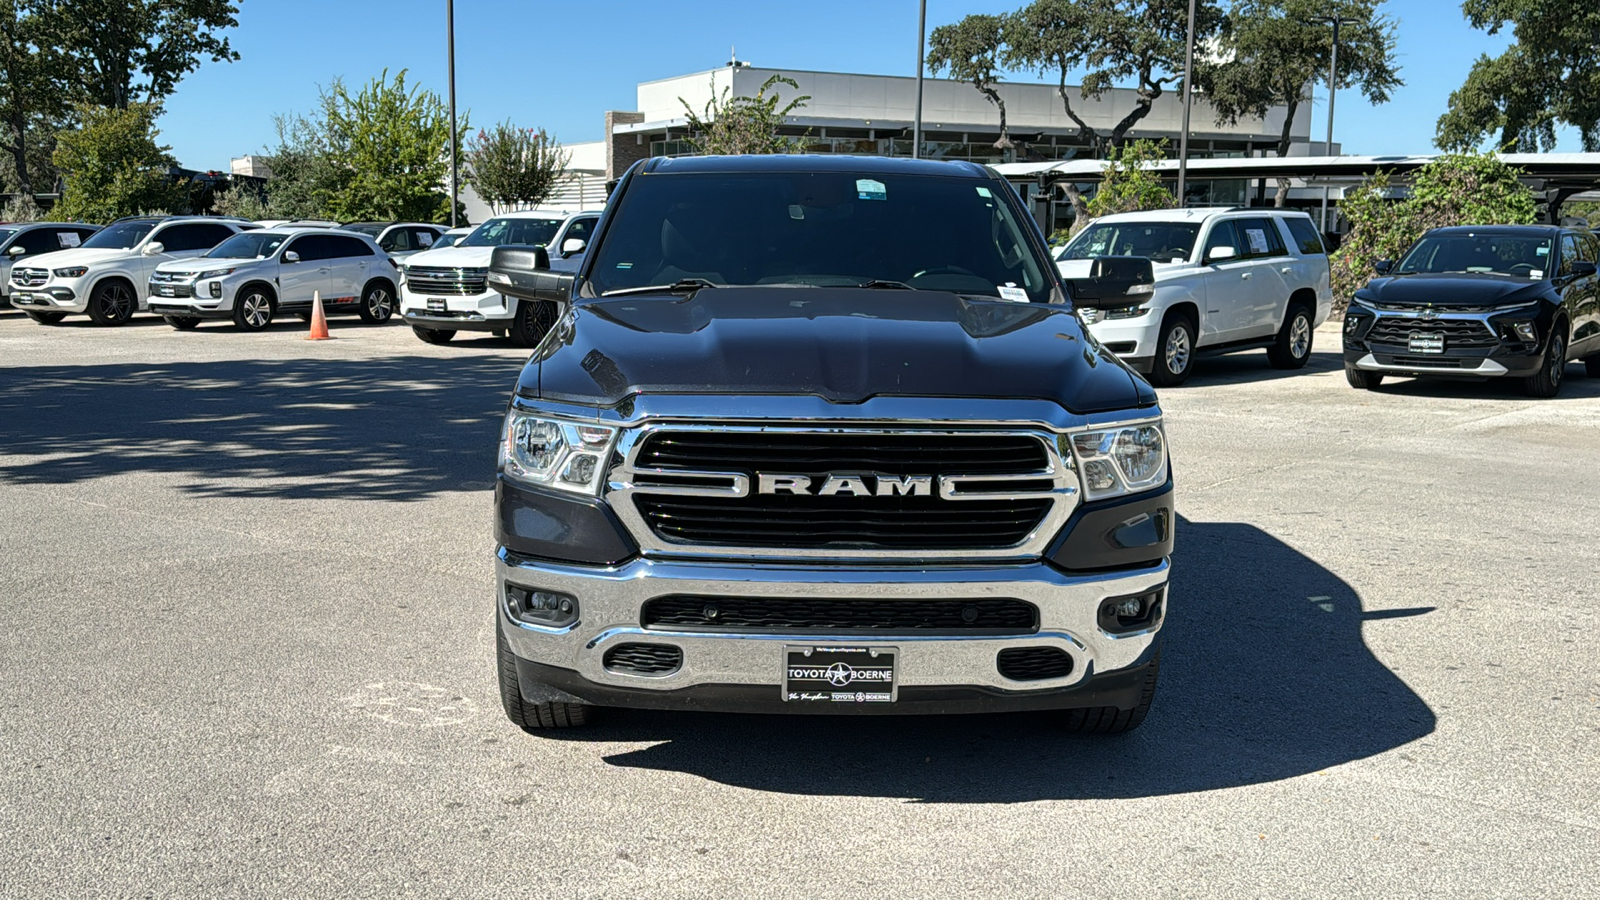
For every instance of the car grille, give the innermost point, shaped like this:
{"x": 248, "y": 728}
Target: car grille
{"x": 30, "y": 277}
{"x": 159, "y": 289}
{"x": 820, "y": 454}
{"x": 1033, "y": 663}
{"x": 643, "y": 659}
{"x": 1457, "y": 332}
{"x": 441, "y": 281}
{"x": 989, "y": 615}
{"x": 879, "y": 523}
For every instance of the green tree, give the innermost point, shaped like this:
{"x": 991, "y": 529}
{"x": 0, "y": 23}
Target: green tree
{"x": 1549, "y": 76}
{"x": 122, "y": 52}
{"x": 971, "y": 49}
{"x": 508, "y": 166}
{"x": 1269, "y": 53}
{"x": 34, "y": 98}
{"x": 304, "y": 175}
{"x": 1130, "y": 182}
{"x": 113, "y": 166}
{"x": 1455, "y": 189}
{"x": 744, "y": 125}
{"x": 389, "y": 146}
{"x": 244, "y": 201}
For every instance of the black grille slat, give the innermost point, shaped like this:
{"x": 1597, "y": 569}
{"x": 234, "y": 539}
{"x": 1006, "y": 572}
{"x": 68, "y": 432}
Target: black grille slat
{"x": 1033, "y": 663}
{"x": 988, "y": 615}
{"x": 1456, "y": 332}
{"x": 898, "y": 523}
{"x": 822, "y": 454}
{"x": 644, "y": 659}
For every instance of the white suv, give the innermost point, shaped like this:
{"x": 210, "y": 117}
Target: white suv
{"x": 446, "y": 290}
{"x": 399, "y": 239}
{"x": 252, "y": 277}
{"x": 29, "y": 240}
{"x": 106, "y": 276}
{"x": 1225, "y": 279}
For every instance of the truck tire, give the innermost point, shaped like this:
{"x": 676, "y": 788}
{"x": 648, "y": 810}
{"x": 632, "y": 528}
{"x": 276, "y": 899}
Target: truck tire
{"x": 1361, "y": 378}
{"x": 112, "y": 302}
{"x": 1547, "y": 382}
{"x": 1109, "y": 719}
{"x": 1292, "y": 348}
{"x": 525, "y": 715}
{"x": 532, "y": 323}
{"x": 46, "y": 318}
{"x": 433, "y": 335}
{"x": 1174, "y": 351}
{"x": 182, "y": 323}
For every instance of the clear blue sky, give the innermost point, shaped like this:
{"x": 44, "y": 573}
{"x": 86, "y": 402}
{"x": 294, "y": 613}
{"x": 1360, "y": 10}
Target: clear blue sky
{"x": 560, "y": 65}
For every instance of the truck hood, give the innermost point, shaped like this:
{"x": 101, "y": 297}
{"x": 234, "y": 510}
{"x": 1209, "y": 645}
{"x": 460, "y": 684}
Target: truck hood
{"x": 452, "y": 257}
{"x": 1454, "y": 289}
{"x": 205, "y": 264}
{"x": 845, "y": 345}
{"x": 79, "y": 256}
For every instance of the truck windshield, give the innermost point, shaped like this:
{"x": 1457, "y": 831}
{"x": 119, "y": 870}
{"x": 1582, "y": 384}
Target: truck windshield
{"x": 1164, "y": 242}
{"x": 1501, "y": 254}
{"x": 504, "y": 232}
{"x": 122, "y": 236}
{"x": 822, "y": 229}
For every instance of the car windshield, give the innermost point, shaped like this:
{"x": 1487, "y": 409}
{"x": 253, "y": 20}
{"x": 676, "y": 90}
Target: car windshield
{"x": 370, "y": 229}
{"x": 505, "y": 232}
{"x": 1156, "y": 241}
{"x": 6, "y": 233}
{"x": 823, "y": 229}
{"x": 1527, "y": 255}
{"x": 249, "y": 245}
{"x": 121, "y": 236}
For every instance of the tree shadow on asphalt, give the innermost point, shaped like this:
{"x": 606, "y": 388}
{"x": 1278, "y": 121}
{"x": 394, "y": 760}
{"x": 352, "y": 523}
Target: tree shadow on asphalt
{"x": 1265, "y": 676}
{"x": 393, "y": 428}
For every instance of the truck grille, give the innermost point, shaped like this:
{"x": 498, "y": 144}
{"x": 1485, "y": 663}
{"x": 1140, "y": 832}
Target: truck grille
{"x": 1457, "y": 332}
{"x": 443, "y": 281}
{"x": 814, "y": 615}
{"x": 899, "y": 523}
{"x": 30, "y": 277}
{"x": 822, "y": 453}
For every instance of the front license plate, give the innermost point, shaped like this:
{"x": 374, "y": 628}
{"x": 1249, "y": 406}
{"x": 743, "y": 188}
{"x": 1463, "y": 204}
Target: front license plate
{"x": 839, "y": 674}
{"x": 1426, "y": 343}
{"x": 436, "y": 305}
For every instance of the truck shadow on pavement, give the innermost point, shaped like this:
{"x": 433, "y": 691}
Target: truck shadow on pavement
{"x": 1265, "y": 676}
{"x": 393, "y": 428}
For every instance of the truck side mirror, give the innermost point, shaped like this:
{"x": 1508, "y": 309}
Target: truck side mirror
{"x": 1382, "y": 266}
{"x": 572, "y": 246}
{"x": 1218, "y": 254}
{"x": 1113, "y": 281}
{"x": 524, "y": 273}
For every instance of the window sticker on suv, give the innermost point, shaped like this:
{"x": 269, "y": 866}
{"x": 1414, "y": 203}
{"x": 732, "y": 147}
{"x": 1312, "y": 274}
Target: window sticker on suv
{"x": 69, "y": 239}
{"x": 1258, "y": 240}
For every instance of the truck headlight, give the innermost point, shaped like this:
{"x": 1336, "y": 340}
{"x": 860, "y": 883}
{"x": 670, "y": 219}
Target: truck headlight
{"x": 1121, "y": 460}
{"x": 567, "y": 456}
{"x": 70, "y": 272}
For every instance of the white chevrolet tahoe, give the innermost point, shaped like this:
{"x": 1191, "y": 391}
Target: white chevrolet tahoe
{"x": 107, "y": 275}
{"x": 446, "y": 290}
{"x": 399, "y": 239}
{"x": 252, "y": 277}
{"x": 1225, "y": 279}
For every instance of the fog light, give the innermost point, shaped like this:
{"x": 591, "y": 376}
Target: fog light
{"x": 216, "y": 290}
{"x": 1129, "y": 608}
{"x": 1137, "y": 612}
{"x": 547, "y": 608}
{"x": 1527, "y": 332}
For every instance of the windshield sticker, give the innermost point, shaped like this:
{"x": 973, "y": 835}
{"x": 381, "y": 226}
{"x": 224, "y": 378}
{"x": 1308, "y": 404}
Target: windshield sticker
{"x": 1543, "y": 250}
{"x": 984, "y": 192}
{"x": 867, "y": 189}
{"x": 69, "y": 238}
{"x": 624, "y": 265}
{"x": 1258, "y": 240}
{"x": 796, "y": 211}
{"x": 1014, "y": 294}
{"x": 1536, "y": 274}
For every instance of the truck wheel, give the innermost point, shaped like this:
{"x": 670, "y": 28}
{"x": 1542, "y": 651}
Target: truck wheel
{"x": 182, "y": 323}
{"x": 533, "y": 322}
{"x": 525, "y": 715}
{"x": 252, "y": 310}
{"x": 433, "y": 335}
{"x": 112, "y": 303}
{"x": 1174, "y": 352}
{"x": 377, "y": 304}
{"x": 1361, "y": 378}
{"x": 1109, "y": 719}
{"x": 1547, "y": 383}
{"x": 44, "y": 318}
{"x": 1293, "y": 345}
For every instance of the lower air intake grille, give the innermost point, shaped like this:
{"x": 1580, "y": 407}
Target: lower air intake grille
{"x": 833, "y": 616}
{"x": 1034, "y": 663}
{"x": 643, "y": 659}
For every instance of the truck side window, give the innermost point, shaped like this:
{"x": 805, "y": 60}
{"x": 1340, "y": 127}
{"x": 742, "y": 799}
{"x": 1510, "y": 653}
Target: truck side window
{"x": 1222, "y": 235}
{"x": 1305, "y": 235}
{"x": 1260, "y": 238}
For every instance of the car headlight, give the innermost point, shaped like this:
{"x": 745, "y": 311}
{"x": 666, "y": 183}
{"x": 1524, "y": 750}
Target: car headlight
{"x": 1125, "y": 312}
{"x": 567, "y": 456}
{"x": 213, "y": 273}
{"x": 1120, "y": 461}
{"x": 70, "y": 272}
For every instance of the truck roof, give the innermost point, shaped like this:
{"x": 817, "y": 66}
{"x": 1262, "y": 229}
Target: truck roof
{"x": 865, "y": 165}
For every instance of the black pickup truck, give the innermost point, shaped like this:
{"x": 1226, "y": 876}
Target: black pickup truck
{"x": 824, "y": 435}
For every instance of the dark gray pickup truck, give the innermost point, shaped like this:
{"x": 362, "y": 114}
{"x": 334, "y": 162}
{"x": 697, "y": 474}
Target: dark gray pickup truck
{"x": 825, "y": 435}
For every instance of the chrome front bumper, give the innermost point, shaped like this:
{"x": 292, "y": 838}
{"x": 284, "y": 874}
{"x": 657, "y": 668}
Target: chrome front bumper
{"x": 610, "y": 600}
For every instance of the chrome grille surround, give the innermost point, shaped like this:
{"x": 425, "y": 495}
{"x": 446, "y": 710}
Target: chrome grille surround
{"x": 441, "y": 280}
{"x": 29, "y": 277}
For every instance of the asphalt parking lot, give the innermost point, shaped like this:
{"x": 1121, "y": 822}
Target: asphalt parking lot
{"x": 247, "y": 651}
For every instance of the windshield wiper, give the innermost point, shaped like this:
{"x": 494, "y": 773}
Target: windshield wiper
{"x": 681, "y": 286}
{"x": 879, "y": 284}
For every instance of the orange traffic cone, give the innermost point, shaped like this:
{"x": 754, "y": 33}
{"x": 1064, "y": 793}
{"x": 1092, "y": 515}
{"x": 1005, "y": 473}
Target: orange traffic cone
{"x": 319, "y": 320}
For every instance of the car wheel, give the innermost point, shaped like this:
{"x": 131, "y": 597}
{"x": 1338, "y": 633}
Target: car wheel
{"x": 433, "y": 335}
{"x": 1547, "y": 382}
{"x": 1111, "y": 720}
{"x": 377, "y": 304}
{"x": 112, "y": 303}
{"x": 44, "y": 318}
{"x": 525, "y": 715}
{"x": 1361, "y": 378}
{"x": 1293, "y": 345}
{"x": 252, "y": 310}
{"x": 533, "y": 322}
{"x": 1174, "y": 352}
{"x": 182, "y": 323}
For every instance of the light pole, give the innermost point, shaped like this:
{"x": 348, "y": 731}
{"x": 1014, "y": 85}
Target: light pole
{"x": 450, "y": 36}
{"x": 1188, "y": 101}
{"x": 1333, "y": 89}
{"x": 922, "y": 42}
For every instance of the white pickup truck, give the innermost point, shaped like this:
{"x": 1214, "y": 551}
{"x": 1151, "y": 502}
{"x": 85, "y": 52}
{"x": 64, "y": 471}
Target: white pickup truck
{"x": 1226, "y": 279}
